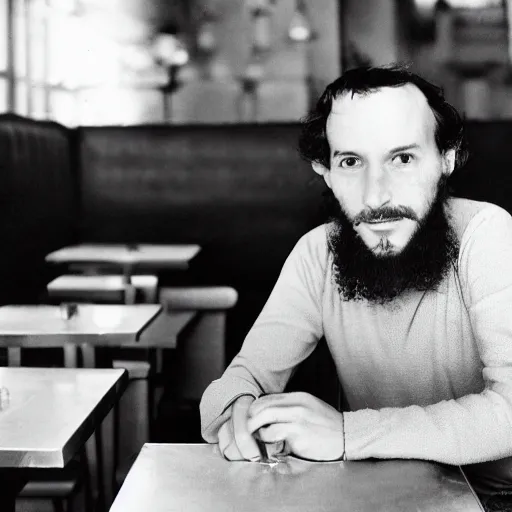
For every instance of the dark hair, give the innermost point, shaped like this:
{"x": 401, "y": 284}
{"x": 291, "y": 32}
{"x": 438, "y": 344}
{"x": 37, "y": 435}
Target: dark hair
{"x": 449, "y": 132}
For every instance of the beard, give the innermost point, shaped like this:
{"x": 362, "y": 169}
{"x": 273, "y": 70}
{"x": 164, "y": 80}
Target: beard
{"x": 360, "y": 274}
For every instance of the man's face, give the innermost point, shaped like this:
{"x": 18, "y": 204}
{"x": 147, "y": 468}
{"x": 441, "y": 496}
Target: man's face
{"x": 384, "y": 164}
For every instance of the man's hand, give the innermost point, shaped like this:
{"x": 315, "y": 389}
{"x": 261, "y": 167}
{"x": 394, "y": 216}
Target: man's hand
{"x": 235, "y": 440}
{"x": 309, "y": 427}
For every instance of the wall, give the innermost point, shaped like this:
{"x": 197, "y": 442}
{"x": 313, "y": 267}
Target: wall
{"x": 371, "y": 27}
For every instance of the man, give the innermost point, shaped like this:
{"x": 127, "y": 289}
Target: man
{"x": 411, "y": 288}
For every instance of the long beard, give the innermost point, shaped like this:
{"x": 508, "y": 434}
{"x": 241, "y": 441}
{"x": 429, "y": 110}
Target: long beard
{"x": 421, "y": 265}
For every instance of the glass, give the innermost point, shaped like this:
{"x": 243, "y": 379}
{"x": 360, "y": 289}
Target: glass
{"x": 265, "y": 458}
{"x": 68, "y": 310}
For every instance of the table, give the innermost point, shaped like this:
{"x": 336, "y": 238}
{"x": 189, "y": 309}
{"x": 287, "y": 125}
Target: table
{"x": 170, "y": 257}
{"x": 50, "y": 414}
{"x": 135, "y": 326}
{"x": 98, "y": 288}
{"x": 131, "y": 326}
{"x": 195, "y": 478}
{"x": 94, "y": 324}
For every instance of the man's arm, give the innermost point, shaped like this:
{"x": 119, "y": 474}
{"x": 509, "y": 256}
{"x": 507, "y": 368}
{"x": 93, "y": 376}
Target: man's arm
{"x": 285, "y": 333}
{"x": 476, "y": 427}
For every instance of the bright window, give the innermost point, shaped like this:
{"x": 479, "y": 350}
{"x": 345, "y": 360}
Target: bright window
{"x": 3, "y": 94}
{"x": 3, "y": 35}
{"x": 21, "y": 98}
{"x": 463, "y": 4}
{"x": 38, "y": 100}
{"x": 20, "y": 39}
{"x": 475, "y": 4}
{"x": 38, "y": 51}
{"x": 63, "y": 107}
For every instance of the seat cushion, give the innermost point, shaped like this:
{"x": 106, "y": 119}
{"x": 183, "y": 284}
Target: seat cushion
{"x": 199, "y": 297}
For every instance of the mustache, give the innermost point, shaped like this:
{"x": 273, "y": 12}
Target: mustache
{"x": 384, "y": 214}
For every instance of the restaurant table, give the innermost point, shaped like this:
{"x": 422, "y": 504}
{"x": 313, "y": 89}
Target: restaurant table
{"x": 104, "y": 289}
{"x": 105, "y": 324}
{"x": 47, "y": 417}
{"x": 196, "y": 478}
{"x": 128, "y": 257}
{"x": 130, "y": 326}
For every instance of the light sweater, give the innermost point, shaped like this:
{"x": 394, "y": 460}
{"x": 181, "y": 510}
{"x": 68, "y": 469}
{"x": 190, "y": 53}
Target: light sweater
{"x": 426, "y": 377}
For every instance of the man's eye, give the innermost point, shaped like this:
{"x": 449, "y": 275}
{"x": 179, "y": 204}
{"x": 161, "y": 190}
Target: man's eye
{"x": 349, "y": 162}
{"x": 403, "y": 159}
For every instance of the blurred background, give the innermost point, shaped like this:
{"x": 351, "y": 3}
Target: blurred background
{"x": 122, "y": 62}
{"x": 172, "y": 122}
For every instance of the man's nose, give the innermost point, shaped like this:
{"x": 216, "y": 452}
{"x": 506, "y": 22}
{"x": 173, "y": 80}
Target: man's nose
{"x": 377, "y": 191}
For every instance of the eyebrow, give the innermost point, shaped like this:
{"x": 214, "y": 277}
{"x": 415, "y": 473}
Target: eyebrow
{"x": 398, "y": 149}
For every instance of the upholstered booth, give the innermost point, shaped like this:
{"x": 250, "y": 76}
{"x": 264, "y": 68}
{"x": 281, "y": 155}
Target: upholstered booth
{"x": 240, "y": 191}
{"x": 37, "y": 203}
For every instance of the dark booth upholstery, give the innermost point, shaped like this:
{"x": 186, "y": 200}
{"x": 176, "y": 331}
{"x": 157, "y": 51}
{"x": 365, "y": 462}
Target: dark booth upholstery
{"x": 37, "y": 203}
{"x": 240, "y": 191}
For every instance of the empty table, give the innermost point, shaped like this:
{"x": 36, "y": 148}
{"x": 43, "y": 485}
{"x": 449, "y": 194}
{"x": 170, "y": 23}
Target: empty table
{"x": 103, "y": 288}
{"x": 96, "y": 324}
{"x": 48, "y": 416}
{"x": 134, "y": 326}
{"x": 147, "y": 256}
{"x": 195, "y": 478}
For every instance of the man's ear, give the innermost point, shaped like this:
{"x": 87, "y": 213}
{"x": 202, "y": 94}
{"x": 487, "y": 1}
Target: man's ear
{"x": 449, "y": 161}
{"x": 321, "y": 170}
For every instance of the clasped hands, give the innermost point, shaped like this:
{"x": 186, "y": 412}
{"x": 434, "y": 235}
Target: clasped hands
{"x": 296, "y": 423}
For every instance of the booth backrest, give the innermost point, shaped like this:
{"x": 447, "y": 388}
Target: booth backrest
{"x": 37, "y": 196}
{"x": 488, "y": 173}
{"x": 241, "y": 192}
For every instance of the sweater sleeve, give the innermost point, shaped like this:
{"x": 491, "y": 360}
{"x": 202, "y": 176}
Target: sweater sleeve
{"x": 285, "y": 333}
{"x": 476, "y": 427}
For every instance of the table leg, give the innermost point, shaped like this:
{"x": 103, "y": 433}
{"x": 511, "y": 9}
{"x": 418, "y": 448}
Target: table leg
{"x": 128, "y": 269}
{"x": 100, "y": 468}
{"x": 10, "y": 486}
{"x": 105, "y": 460}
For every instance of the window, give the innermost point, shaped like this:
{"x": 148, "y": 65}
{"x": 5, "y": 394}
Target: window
{"x": 20, "y": 39}
{"x": 21, "y": 99}
{"x": 462, "y": 4}
{"x": 62, "y": 107}
{"x": 475, "y": 4}
{"x": 4, "y": 91}
{"x": 3, "y": 35}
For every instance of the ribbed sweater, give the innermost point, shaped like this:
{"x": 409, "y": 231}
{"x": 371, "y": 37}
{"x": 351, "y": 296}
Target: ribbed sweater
{"x": 428, "y": 376}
